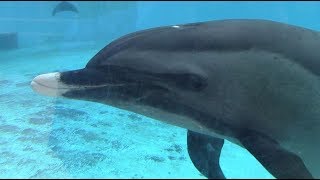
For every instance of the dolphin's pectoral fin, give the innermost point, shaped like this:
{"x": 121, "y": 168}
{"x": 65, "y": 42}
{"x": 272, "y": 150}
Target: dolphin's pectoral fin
{"x": 204, "y": 152}
{"x": 278, "y": 161}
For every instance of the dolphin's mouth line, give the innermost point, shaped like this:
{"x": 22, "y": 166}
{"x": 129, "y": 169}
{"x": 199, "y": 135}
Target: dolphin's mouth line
{"x": 43, "y": 85}
{"x": 70, "y": 87}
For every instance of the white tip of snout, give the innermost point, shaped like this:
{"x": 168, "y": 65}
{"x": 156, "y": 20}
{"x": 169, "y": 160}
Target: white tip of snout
{"x": 47, "y": 84}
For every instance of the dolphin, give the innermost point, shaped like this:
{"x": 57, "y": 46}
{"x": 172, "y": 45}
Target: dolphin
{"x": 64, "y": 6}
{"x": 250, "y": 81}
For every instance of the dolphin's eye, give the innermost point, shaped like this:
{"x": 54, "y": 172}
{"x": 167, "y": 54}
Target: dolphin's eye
{"x": 195, "y": 82}
{"x": 191, "y": 82}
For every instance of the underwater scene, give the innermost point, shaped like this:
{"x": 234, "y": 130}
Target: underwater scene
{"x": 159, "y": 89}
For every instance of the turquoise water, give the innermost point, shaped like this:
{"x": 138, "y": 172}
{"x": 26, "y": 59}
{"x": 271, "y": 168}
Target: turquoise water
{"x": 43, "y": 137}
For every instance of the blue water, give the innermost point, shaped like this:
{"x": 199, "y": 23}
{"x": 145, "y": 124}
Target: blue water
{"x": 43, "y": 137}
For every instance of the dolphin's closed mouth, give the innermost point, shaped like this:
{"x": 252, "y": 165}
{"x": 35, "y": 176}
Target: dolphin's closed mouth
{"x": 50, "y": 85}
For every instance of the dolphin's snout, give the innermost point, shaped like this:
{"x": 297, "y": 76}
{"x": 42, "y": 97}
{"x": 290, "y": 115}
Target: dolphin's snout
{"x": 47, "y": 84}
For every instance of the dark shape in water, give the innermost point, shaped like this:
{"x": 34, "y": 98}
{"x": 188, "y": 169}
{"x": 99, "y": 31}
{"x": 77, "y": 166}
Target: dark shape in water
{"x": 64, "y": 6}
{"x": 8, "y": 40}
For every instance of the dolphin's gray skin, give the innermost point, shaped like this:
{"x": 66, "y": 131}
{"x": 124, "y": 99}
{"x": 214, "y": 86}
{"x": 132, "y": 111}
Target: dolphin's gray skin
{"x": 64, "y": 6}
{"x": 252, "y": 82}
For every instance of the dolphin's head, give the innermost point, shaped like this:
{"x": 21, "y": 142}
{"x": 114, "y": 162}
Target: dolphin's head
{"x": 131, "y": 73}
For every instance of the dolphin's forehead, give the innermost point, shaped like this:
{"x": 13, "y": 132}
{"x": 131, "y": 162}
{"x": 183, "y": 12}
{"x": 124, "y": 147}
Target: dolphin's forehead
{"x": 121, "y": 44}
{"x": 162, "y": 45}
{"x": 160, "y": 62}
